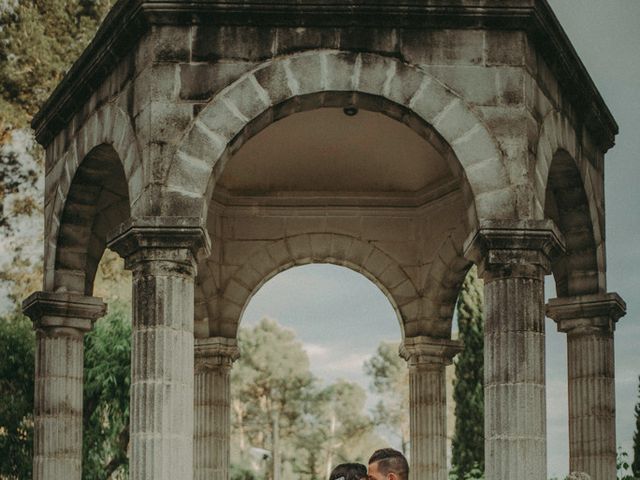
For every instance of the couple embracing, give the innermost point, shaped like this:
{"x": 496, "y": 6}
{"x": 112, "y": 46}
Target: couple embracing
{"x": 384, "y": 464}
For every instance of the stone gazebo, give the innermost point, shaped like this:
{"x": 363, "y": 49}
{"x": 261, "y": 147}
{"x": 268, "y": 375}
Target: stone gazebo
{"x": 215, "y": 143}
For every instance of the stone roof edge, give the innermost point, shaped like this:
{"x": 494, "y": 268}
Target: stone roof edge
{"x": 130, "y": 19}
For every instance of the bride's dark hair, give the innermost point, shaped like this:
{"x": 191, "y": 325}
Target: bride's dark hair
{"x": 349, "y": 471}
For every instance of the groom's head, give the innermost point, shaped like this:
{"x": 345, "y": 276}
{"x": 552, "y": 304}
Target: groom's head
{"x": 388, "y": 464}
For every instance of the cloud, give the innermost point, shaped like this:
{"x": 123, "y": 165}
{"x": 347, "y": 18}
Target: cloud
{"x": 315, "y": 351}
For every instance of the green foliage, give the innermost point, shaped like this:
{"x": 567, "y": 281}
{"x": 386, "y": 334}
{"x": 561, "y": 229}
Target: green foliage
{"x": 106, "y": 397}
{"x": 623, "y": 466}
{"x": 389, "y": 378}
{"x": 17, "y": 343}
{"x": 38, "y": 41}
{"x": 468, "y": 439}
{"x": 278, "y": 406}
{"x": 240, "y": 472}
{"x": 271, "y": 387}
{"x": 635, "y": 466}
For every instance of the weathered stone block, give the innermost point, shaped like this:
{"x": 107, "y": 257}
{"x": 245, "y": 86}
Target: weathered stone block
{"x": 505, "y": 47}
{"x": 369, "y": 39}
{"x": 306, "y": 38}
{"x": 340, "y": 71}
{"x": 443, "y": 47}
{"x": 211, "y": 43}
{"x": 220, "y": 120}
{"x": 258, "y": 228}
{"x": 306, "y": 71}
{"x": 171, "y": 43}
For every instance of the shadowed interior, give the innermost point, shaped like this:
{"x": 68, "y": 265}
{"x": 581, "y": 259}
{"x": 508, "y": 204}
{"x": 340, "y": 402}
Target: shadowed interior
{"x": 97, "y": 202}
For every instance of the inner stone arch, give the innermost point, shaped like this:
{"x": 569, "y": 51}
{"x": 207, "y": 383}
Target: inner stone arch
{"x": 578, "y": 271}
{"x": 271, "y": 258}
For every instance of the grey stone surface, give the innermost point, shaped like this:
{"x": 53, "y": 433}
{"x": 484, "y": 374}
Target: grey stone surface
{"x": 161, "y": 255}
{"x": 60, "y": 320}
{"x": 589, "y": 322}
{"x": 427, "y": 358}
{"x": 513, "y": 260}
{"x": 214, "y": 357}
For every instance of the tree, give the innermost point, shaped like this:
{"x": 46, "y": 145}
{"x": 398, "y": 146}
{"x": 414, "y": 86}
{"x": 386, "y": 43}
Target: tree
{"x": 335, "y": 430}
{"x": 468, "y": 439}
{"x": 106, "y": 396}
{"x": 17, "y": 341}
{"x": 271, "y": 385}
{"x": 389, "y": 377}
{"x": 39, "y": 39}
{"x": 635, "y": 466}
{"x": 280, "y": 410}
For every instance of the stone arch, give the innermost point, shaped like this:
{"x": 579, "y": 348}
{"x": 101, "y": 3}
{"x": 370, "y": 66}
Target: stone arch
{"x": 566, "y": 195}
{"x": 359, "y": 255}
{"x": 442, "y": 286}
{"x": 99, "y": 176}
{"x": 324, "y": 78}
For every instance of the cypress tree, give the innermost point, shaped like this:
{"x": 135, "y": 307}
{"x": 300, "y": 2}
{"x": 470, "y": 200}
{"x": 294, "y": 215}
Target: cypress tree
{"x": 635, "y": 466}
{"x": 468, "y": 439}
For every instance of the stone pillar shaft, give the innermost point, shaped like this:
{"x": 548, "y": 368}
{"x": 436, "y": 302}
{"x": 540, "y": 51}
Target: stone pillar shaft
{"x": 212, "y": 429}
{"x": 514, "y": 384}
{"x": 60, "y": 320}
{"x": 513, "y": 258}
{"x": 589, "y": 322}
{"x": 427, "y": 358}
{"x": 57, "y": 447}
{"x": 162, "y": 258}
{"x": 162, "y": 371}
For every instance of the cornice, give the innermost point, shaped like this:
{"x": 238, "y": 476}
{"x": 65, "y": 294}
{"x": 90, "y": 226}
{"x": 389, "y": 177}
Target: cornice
{"x": 423, "y": 350}
{"x": 130, "y": 19}
{"x": 63, "y": 310}
{"x": 587, "y": 313}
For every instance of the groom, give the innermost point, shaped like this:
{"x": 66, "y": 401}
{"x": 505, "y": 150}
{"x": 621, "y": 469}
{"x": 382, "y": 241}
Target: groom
{"x": 388, "y": 464}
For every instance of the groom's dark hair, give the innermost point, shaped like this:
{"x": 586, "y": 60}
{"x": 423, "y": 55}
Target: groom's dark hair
{"x": 349, "y": 471}
{"x": 391, "y": 461}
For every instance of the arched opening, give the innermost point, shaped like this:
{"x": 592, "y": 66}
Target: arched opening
{"x": 319, "y": 326}
{"x": 578, "y": 271}
{"x": 377, "y": 174}
{"x": 97, "y": 201}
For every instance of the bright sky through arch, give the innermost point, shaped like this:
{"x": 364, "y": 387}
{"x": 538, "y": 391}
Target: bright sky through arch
{"x": 339, "y": 315}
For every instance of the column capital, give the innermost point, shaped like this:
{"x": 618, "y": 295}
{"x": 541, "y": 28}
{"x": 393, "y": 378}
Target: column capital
{"x": 63, "y": 311}
{"x": 587, "y": 313}
{"x": 513, "y": 247}
{"x": 161, "y": 238}
{"x": 423, "y": 350}
{"x": 214, "y": 353}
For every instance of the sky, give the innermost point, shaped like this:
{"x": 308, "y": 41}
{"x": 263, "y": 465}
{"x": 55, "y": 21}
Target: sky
{"x": 341, "y": 316}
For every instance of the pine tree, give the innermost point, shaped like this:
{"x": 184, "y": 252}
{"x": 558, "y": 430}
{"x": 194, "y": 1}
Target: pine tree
{"x": 635, "y": 466}
{"x": 468, "y": 440}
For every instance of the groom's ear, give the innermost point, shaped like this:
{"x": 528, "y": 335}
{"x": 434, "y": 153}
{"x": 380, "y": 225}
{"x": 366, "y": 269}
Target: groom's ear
{"x": 392, "y": 476}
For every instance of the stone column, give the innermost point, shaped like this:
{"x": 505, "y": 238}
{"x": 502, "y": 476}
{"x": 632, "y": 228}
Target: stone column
{"x": 161, "y": 252}
{"x": 513, "y": 258}
{"x": 589, "y": 322}
{"x": 427, "y": 358}
{"x": 212, "y": 431}
{"x": 60, "y": 320}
